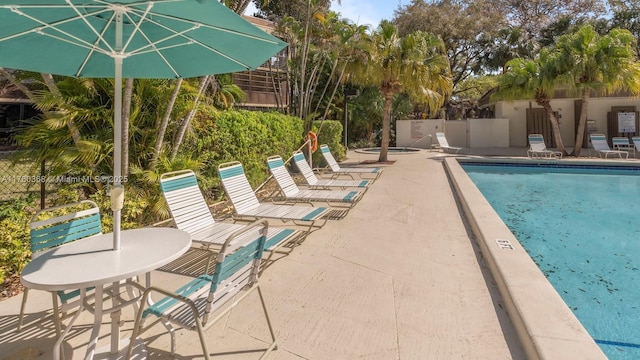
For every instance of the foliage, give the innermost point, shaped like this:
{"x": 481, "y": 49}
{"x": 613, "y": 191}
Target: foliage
{"x": 293, "y": 8}
{"x": 330, "y": 133}
{"x": 223, "y": 136}
{"x": 603, "y": 64}
{"x": 415, "y": 64}
{"x": 467, "y": 28}
{"x": 365, "y": 115}
{"x": 14, "y": 235}
{"x": 320, "y": 46}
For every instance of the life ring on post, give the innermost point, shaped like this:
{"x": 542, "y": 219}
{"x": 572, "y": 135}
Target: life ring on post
{"x": 313, "y": 138}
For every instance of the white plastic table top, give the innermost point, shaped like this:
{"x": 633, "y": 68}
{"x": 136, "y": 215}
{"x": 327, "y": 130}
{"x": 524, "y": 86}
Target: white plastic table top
{"x": 93, "y": 262}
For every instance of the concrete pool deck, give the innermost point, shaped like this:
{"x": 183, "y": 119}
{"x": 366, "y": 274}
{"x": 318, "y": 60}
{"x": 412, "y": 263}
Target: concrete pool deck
{"x": 402, "y": 276}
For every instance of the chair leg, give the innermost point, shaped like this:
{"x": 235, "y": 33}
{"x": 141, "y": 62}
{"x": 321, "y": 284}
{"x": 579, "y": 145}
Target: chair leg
{"x": 274, "y": 344}
{"x": 25, "y": 294}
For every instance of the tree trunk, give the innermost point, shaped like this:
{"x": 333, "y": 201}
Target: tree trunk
{"x": 386, "y": 126}
{"x": 555, "y": 127}
{"x": 185, "y": 123}
{"x": 335, "y": 89}
{"x": 162, "y": 128}
{"x": 582, "y": 123}
{"x": 126, "y": 117}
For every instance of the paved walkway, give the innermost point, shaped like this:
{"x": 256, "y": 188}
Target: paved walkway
{"x": 399, "y": 278}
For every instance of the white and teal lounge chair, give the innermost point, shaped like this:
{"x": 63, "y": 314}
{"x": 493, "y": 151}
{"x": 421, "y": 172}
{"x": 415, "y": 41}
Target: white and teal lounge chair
{"x": 600, "y": 145}
{"x": 622, "y": 143}
{"x": 444, "y": 144}
{"x": 204, "y": 300}
{"x": 337, "y": 170}
{"x": 538, "y": 149}
{"x": 191, "y": 213}
{"x": 315, "y": 183}
{"x": 292, "y": 193}
{"x": 636, "y": 142}
{"x": 246, "y": 203}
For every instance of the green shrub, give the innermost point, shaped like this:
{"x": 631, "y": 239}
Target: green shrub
{"x": 245, "y": 136}
{"x": 15, "y": 250}
{"x": 330, "y": 133}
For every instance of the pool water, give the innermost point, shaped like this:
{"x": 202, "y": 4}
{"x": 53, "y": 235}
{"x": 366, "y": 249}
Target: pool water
{"x": 581, "y": 226}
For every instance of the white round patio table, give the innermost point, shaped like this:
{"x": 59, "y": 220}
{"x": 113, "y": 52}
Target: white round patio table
{"x": 92, "y": 262}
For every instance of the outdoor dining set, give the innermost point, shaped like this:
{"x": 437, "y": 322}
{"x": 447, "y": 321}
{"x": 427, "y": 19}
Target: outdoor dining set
{"x": 77, "y": 263}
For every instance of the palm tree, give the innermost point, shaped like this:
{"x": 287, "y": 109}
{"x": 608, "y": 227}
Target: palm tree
{"x": 593, "y": 63}
{"x": 532, "y": 78}
{"x": 416, "y": 64}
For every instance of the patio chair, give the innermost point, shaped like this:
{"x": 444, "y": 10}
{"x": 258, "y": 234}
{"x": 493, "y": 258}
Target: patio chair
{"x": 444, "y": 144}
{"x": 57, "y": 226}
{"x": 292, "y": 193}
{"x": 599, "y": 143}
{"x": 315, "y": 183}
{"x": 636, "y": 142}
{"x": 247, "y": 206}
{"x": 204, "y": 300}
{"x": 191, "y": 213}
{"x": 622, "y": 143}
{"x": 337, "y": 170}
{"x": 539, "y": 149}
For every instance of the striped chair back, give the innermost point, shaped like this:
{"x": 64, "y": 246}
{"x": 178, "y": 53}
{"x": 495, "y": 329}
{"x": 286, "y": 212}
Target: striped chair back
{"x": 599, "y": 142}
{"x": 63, "y": 224}
{"x": 282, "y": 176}
{"x": 237, "y": 187}
{"x": 328, "y": 157}
{"x": 186, "y": 203}
{"x": 305, "y": 169}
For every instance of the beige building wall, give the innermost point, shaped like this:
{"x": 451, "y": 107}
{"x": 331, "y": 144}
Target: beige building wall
{"x": 597, "y": 110}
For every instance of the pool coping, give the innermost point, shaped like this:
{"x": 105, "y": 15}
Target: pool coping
{"x": 546, "y": 327}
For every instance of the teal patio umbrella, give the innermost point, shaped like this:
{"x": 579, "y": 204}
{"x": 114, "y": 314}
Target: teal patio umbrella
{"x": 130, "y": 39}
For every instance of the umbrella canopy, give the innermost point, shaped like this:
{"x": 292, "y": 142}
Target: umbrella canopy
{"x": 131, "y": 39}
{"x": 154, "y": 39}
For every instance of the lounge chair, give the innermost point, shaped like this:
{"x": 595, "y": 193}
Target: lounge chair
{"x": 204, "y": 300}
{"x": 313, "y": 181}
{"x": 444, "y": 144}
{"x": 247, "y": 206}
{"x": 636, "y": 142}
{"x": 337, "y": 170}
{"x": 539, "y": 149}
{"x": 292, "y": 193}
{"x": 622, "y": 143}
{"x": 191, "y": 213}
{"x": 599, "y": 143}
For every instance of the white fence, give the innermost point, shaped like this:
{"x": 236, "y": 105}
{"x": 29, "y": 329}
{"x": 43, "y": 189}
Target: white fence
{"x": 471, "y": 133}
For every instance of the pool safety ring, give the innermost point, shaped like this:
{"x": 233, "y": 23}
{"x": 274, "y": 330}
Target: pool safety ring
{"x": 313, "y": 138}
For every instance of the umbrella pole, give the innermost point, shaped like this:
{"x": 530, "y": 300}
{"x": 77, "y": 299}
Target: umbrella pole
{"x": 117, "y": 192}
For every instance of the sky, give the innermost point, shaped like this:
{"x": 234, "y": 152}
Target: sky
{"x": 367, "y": 12}
{"x": 361, "y": 12}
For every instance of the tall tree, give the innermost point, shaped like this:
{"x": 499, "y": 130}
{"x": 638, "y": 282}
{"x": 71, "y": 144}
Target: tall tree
{"x": 626, "y": 15}
{"x": 597, "y": 64}
{"x": 468, "y": 28}
{"x": 535, "y": 79}
{"x": 415, "y": 64}
{"x": 533, "y": 17}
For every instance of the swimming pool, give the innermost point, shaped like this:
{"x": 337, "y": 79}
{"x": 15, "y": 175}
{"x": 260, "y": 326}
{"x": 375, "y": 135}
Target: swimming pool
{"x": 579, "y": 224}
